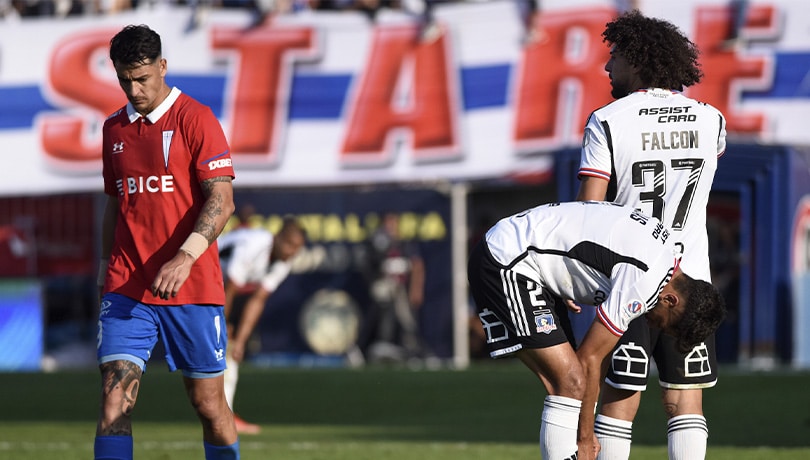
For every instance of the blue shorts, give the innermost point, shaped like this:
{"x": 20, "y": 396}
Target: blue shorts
{"x": 193, "y": 336}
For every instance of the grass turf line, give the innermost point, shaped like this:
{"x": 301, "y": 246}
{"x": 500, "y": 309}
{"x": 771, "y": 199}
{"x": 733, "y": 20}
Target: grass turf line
{"x": 489, "y": 411}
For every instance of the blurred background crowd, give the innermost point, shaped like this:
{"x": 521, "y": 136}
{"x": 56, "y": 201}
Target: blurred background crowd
{"x": 51, "y": 8}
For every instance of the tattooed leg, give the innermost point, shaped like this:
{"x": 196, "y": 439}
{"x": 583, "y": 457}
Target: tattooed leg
{"x": 120, "y": 381}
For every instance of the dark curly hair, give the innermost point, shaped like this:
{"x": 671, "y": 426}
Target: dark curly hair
{"x": 134, "y": 45}
{"x": 705, "y": 310}
{"x": 665, "y": 57}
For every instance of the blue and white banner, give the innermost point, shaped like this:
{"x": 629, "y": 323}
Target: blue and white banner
{"x": 333, "y": 98}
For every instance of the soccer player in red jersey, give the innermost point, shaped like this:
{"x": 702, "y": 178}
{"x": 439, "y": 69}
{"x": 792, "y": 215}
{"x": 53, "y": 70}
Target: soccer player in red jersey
{"x": 167, "y": 175}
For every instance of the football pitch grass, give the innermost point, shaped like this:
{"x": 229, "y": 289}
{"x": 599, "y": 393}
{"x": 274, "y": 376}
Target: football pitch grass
{"x": 490, "y": 411}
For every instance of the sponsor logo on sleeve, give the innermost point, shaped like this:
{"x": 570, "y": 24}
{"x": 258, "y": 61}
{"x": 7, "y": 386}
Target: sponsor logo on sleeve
{"x": 216, "y": 164}
{"x": 219, "y": 161}
{"x": 635, "y": 307}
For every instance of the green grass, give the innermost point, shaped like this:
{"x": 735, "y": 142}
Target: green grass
{"x": 490, "y": 411}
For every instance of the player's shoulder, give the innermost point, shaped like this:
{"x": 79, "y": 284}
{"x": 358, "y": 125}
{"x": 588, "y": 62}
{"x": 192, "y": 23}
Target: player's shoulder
{"x": 698, "y": 103}
{"x": 187, "y": 104}
{"x": 115, "y": 116}
{"x": 118, "y": 112}
{"x": 710, "y": 108}
{"x": 249, "y": 236}
{"x": 620, "y": 106}
{"x": 257, "y": 235}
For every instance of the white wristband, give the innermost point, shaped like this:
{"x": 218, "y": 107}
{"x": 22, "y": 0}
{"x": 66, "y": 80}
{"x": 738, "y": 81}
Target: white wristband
{"x": 195, "y": 245}
{"x": 102, "y": 272}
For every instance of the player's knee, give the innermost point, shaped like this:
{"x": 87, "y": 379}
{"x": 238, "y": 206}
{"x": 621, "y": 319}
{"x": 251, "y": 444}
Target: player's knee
{"x": 206, "y": 408}
{"x": 572, "y": 383}
{"x": 208, "y": 404}
{"x": 121, "y": 382}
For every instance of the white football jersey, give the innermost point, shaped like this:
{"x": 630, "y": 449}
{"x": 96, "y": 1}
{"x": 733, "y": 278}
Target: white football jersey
{"x": 659, "y": 149}
{"x": 245, "y": 258}
{"x": 595, "y": 253}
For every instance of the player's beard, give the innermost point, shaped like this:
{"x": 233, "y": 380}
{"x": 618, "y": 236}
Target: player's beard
{"x": 618, "y": 90}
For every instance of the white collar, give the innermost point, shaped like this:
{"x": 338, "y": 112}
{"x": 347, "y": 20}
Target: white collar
{"x": 159, "y": 111}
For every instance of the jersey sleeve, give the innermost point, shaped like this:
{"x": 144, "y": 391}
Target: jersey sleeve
{"x": 595, "y": 159}
{"x": 632, "y": 295}
{"x": 107, "y": 173}
{"x": 209, "y": 146}
{"x": 635, "y": 291}
{"x": 616, "y": 317}
{"x": 617, "y": 312}
{"x": 721, "y": 137}
{"x": 278, "y": 272}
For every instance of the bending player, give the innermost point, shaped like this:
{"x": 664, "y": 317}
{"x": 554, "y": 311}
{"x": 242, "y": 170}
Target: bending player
{"x": 254, "y": 262}
{"x": 593, "y": 253}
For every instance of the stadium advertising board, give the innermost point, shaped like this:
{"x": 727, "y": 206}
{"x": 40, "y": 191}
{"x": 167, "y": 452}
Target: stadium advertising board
{"x": 332, "y": 98}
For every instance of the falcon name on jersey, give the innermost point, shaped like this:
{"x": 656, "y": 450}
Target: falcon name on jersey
{"x": 667, "y": 140}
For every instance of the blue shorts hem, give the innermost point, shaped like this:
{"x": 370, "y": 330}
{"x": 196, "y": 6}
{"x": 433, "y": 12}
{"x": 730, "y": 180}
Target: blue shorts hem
{"x": 202, "y": 375}
{"x": 123, "y": 357}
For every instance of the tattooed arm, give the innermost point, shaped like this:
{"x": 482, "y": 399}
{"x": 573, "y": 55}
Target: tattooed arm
{"x": 217, "y": 209}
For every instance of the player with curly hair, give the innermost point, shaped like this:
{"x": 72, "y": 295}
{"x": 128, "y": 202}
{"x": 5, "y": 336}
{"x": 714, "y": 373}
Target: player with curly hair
{"x": 655, "y": 149}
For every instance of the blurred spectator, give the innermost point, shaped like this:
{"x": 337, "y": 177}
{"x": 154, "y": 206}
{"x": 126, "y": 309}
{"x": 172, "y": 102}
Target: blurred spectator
{"x": 260, "y": 8}
{"x": 62, "y": 8}
{"x": 30, "y": 8}
{"x": 16, "y": 252}
{"x": 370, "y": 7}
{"x": 424, "y": 8}
{"x": 626, "y": 5}
{"x": 739, "y": 15}
{"x": 396, "y": 274}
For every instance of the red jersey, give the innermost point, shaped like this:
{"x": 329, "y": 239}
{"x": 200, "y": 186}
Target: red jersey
{"x": 154, "y": 165}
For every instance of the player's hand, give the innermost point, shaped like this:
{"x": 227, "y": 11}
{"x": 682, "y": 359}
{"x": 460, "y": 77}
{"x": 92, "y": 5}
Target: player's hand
{"x": 416, "y": 299}
{"x": 588, "y": 449}
{"x": 237, "y": 350}
{"x": 573, "y": 306}
{"x": 172, "y": 275}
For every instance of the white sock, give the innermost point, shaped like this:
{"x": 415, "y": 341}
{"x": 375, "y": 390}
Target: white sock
{"x": 231, "y": 378}
{"x": 614, "y": 436}
{"x": 558, "y": 432}
{"x": 686, "y": 437}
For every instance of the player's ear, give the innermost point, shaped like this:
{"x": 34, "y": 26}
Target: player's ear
{"x": 670, "y": 299}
